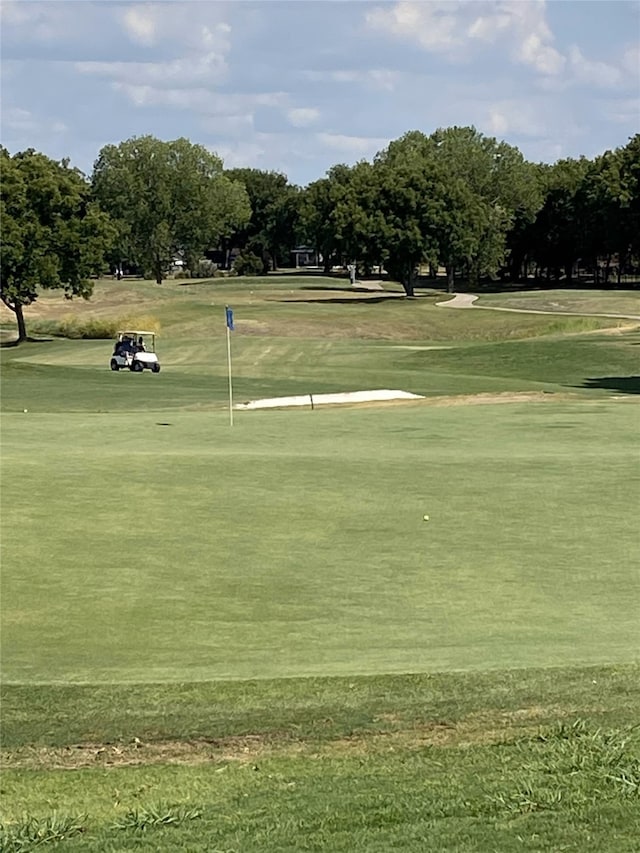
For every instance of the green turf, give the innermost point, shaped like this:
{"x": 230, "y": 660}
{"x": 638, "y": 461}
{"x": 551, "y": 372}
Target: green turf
{"x": 545, "y": 759}
{"x": 160, "y": 569}
{"x": 294, "y": 542}
{"x": 615, "y": 302}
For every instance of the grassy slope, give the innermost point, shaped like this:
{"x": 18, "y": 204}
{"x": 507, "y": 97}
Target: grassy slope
{"x": 540, "y": 760}
{"x": 527, "y": 560}
{"x": 589, "y": 301}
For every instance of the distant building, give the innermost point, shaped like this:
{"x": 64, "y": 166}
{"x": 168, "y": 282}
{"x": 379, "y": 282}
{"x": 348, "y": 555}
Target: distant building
{"x": 304, "y": 256}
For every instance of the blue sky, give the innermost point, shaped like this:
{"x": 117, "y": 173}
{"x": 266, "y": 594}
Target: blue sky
{"x": 302, "y": 85}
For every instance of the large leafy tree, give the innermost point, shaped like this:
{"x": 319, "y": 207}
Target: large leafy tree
{"x": 559, "y": 234}
{"x": 406, "y": 200}
{"x": 54, "y": 236}
{"x": 316, "y": 211}
{"x": 481, "y": 186}
{"x": 167, "y": 198}
{"x": 272, "y": 230}
{"x": 609, "y": 198}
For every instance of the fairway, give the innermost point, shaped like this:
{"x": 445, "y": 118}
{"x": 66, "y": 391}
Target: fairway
{"x": 269, "y": 595}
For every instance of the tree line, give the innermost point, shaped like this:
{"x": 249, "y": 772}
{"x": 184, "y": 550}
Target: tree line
{"x": 455, "y": 199}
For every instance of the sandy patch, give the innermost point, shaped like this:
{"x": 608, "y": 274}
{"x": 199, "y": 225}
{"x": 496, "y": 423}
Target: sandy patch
{"x": 328, "y": 399}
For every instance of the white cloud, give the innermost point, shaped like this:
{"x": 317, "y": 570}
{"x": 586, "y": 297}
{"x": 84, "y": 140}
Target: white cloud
{"x": 193, "y": 26}
{"x": 140, "y": 25}
{"x": 200, "y": 100}
{"x": 433, "y": 25}
{"x": 453, "y": 27}
{"x": 303, "y": 116}
{"x": 594, "y": 73}
{"x": 516, "y": 116}
{"x": 240, "y": 154}
{"x": 363, "y": 146}
{"x": 44, "y": 22}
{"x": 207, "y": 68}
{"x": 19, "y": 120}
{"x": 544, "y": 58}
{"x": 631, "y": 61}
{"x": 381, "y": 79}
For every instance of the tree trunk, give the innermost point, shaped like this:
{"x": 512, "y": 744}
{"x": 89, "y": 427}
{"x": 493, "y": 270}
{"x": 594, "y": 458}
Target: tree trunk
{"x": 327, "y": 264}
{"x": 22, "y": 329}
{"x": 474, "y": 274}
{"x": 451, "y": 278}
{"x": 408, "y": 282}
{"x": 408, "y": 286}
{"x": 274, "y": 260}
{"x": 16, "y": 307}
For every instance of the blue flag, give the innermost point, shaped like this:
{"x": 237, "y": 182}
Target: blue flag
{"x": 229, "y": 318}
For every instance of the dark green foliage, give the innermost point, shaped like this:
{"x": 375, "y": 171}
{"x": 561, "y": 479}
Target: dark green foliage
{"x": 271, "y": 232}
{"x": 53, "y": 235}
{"x": 248, "y": 263}
{"x": 167, "y": 199}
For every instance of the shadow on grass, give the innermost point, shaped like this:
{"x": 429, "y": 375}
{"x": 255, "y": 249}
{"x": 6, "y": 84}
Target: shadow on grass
{"x": 625, "y": 384}
{"x": 371, "y": 300}
{"x": 16, "y": 342}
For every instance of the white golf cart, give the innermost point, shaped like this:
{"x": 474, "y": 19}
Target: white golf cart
{"x": 134, "y": 350}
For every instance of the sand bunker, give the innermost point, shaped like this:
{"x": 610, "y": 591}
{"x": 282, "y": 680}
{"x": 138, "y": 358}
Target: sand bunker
{"x": 327, "y": 399}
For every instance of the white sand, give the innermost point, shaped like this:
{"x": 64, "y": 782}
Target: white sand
{"x": 326, "y": 399}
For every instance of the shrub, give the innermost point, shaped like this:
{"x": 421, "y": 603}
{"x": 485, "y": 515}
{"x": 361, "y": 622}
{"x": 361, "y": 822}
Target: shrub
{"x": 204, "y": 269}
{"x": 248, "y": 264}
{"x": 93, "y": 328}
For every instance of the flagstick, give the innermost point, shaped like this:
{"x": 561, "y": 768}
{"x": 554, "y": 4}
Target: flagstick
{"x": 230, "y": 385}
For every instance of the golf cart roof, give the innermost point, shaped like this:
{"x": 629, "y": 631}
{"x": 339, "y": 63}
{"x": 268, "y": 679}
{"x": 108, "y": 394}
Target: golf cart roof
{"x": 135, "y": 332}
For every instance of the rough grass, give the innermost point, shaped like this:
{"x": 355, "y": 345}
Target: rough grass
{"x": 92, "y": 328}
{"x": 542, "y": 759}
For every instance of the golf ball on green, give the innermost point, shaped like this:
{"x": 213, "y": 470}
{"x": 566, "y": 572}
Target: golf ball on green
{"x": 425, "y": 518}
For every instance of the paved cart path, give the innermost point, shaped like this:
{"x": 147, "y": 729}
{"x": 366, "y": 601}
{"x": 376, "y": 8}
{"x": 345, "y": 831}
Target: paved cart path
{"x": 467, "y": 300}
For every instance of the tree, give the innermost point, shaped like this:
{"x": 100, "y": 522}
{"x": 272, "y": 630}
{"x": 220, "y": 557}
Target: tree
{"x": 481, "y": 185}
{"x": 559, "y": 233}
{"x": 406, "y": 200}
{"x": 271, "y": 231}
{"x": 168, "y": 199}
{"x": 54, "y": 236}
{"x": 318, "y": 212}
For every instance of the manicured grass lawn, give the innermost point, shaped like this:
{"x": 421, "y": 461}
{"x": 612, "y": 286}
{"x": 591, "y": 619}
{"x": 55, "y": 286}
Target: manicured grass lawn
{"x": 248, "y": 639}
{"x": 294, "y": 543}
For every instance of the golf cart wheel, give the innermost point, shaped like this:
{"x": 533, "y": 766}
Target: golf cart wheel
{"x": 155, "y": 368}
{"x": 137, "y": 366}
{"x": 114, "y": 364}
